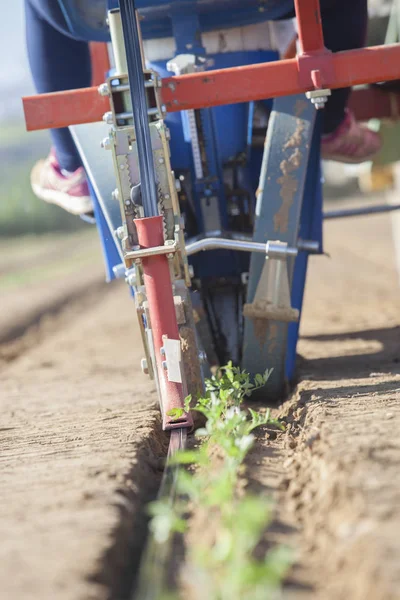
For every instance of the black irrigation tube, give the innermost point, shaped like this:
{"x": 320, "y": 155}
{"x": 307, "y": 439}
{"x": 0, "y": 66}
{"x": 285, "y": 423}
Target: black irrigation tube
{"x": 153, "y": 574}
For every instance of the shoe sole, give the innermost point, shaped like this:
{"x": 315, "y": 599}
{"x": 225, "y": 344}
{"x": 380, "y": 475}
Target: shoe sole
{"x": 64, "y": 200}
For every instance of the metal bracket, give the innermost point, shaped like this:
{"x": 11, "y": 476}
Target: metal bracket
{"x": 272, "y": 297}
{"x": 169, "y": 248}
{"x": 173, "y": 359}
{"x": 319, "y": 97}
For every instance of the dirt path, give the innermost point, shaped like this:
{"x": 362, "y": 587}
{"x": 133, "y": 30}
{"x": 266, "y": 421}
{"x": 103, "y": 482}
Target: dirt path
{"x": 79, "y": 454}
{"x": 335, "y": 470}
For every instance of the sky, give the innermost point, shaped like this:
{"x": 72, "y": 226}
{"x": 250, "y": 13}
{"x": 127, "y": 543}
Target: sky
{"x": 15, "y": 80}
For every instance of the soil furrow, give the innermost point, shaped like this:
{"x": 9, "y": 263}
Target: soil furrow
{"x": 333, "y": 472}
{"x": 80, "y": 449}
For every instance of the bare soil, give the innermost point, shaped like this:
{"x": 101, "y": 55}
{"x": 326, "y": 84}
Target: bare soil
{"x": 334, "y": 472}
{"x": 80, "y": 444}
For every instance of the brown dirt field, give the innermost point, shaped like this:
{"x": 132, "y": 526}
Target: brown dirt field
{"x": 78, "y": 452}
{"x": 334, "y": 472}
{"x": 79, "y": 428}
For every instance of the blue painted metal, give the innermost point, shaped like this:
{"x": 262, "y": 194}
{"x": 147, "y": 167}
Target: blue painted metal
{"x": 110, "y": 251}
{"x": 231, "y": 121}
{"x": 310, "y": 229}
{"x": 86, "y": 20}
{"x": 186, "y": 29}
{"x": 100, "y": 172}
{"x": 226, "y": 133}
{"x": 280, "y": 211}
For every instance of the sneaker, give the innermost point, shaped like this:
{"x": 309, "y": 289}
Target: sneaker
{"x": 69, "y": 191}
{"x": 350, "y": 142}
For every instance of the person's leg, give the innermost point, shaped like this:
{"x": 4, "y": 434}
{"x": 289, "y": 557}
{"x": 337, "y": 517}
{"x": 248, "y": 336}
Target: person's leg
{"x": 344, "y": 25}
{"x": 345, "y": 28}
{"x": 58, "y": 62}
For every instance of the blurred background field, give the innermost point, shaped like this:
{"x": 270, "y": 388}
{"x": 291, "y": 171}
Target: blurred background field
{"x": 29, "y": 223}
{"x": 40, "y": 244}
{"x": 20, "y": 211}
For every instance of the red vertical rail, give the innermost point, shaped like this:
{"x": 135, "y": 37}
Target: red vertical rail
{"x": 314, "y": 61}
{"x": 309, "y": 25}
{"x": 100, "y": 62}
{"x": 157, "y": 282}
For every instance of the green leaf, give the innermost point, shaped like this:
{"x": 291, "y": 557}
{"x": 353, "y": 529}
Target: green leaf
{"x": 176, "y": 413}
{"x": 187, "y": 402}
{"x": 184, "y": 457}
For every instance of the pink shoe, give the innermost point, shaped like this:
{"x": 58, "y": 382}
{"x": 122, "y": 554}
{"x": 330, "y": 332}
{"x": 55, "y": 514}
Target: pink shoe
{"x": 70, "y": 191}
{"x": 350, "y": 142}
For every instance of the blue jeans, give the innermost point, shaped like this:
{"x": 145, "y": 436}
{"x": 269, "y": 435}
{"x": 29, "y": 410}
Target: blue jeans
{"x": 60, "y": 62}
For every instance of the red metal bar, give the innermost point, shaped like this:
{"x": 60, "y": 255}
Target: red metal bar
{"x": 281, "y": 78}
{"x": 158, "y": 286}
{"x": 224, "y": 86}
{"x": 309, "y": 26}
{"x": 100, "y": 62}
{"x": 61, "y": 109}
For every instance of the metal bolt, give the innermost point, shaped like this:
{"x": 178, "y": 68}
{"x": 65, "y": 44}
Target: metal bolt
{"x": 108, "y": 118}
{"x": 131, "y": 279}
{"x": 140, "y": 297}
{"x": 178, "y": 185}
{"x": 103, "y": 89}
{"x": 191, "y": 271}
{"x": 119, "y": 271}
{"x": 245, "y": 278}
{"x": 106, "y": 143}
{"x": 144, "y": 366}
{"x": 120, "y": 233}
{"x": 167, "y": 196}
{"x": 169, "y": 242}
{"x": 202, "y": 356}
{"x": 319, "y": 103}
{"x": 115, "y": 194}
{"x": 318, "y": 97}
{"x": 127, "y": 202}
{"x": 161, "y": 160}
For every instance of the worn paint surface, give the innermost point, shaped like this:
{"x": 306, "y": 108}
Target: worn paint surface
{"x": 278, "y": 215}
{"x": 288, "y": 181}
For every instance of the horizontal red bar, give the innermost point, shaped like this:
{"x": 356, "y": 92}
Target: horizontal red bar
{"x": 223, "y": 86}
{"x": 280, "y": 78}
{"x": 61, "y": 109}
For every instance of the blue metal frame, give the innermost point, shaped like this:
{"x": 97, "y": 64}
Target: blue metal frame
{"x": 111, "y": 255}
{"x": 311, "y": 222}
{"x": 288, "y": 207}
{"x": 159, "y": 14}
{"x": 226, "y": 132}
